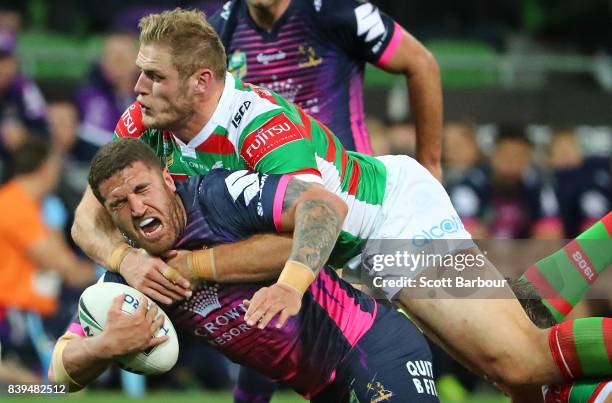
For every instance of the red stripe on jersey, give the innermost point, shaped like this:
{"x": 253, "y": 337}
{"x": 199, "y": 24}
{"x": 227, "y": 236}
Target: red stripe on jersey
{"x": 262, "y": 92}
{"x": 547, "y": 291}
{"x": 354, "y": 181}
{"x": 305, "y": 122}
{"x": 331, "y": 145}
{"x": 607, "y": 222}
{"x": 344, "y": 163}
{"x": 581, "y": 261}
{"x": 130, "y": 122}
{"x": 217, "y": 144}
{"x": 179, "y": 177}
{"x": 306, "y": 171}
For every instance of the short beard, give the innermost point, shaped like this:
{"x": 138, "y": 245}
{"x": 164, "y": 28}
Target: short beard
{"x": 182, "y": 112}
{"x": 177, "y": 221}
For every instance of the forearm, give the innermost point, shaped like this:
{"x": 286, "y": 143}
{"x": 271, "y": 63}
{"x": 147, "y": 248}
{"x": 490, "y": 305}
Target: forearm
{"x": 258, "y": 258}
{"x": 317, "y": 226}
{"x": 317, "y": 220}
{"x": 425, "y": 91}
{"x": 94, "y": 232}
{"x": 85, "y": 359}
{"x": 78, "y": 361}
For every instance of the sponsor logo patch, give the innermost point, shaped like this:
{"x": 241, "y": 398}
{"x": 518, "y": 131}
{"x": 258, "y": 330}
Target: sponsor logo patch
{"x": 237, "y": 64}
{"x": 447, "y": 226}
{"x": 277, "y": 132}
{"x": 238, "y": 116}
{"x": 130, "y": 123}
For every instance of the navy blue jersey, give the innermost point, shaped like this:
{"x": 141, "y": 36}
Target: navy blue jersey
{"x": 314, "y": 56}
{"x": 506, "y": 214}
{"x": 226, "y": 206}
{"x": 585, "y": 194}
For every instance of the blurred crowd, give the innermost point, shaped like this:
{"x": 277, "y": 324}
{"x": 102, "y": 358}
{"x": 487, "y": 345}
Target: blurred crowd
{"x": 505, "y": 182}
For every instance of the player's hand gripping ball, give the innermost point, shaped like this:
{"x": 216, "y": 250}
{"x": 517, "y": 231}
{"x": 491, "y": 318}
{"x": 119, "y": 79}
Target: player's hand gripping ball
{"x": 94, "y": 305}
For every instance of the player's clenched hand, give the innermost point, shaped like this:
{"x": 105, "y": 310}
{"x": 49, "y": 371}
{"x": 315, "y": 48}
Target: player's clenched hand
{"x": 153, "y": 277}
{"x": 267, "y": 302}
{"x": 125, "y": 333}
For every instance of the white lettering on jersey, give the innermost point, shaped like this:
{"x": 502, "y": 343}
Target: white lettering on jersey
{"x": 368, "y": 20}
{"x": 271, "y": 57}
{"x": 241, "y": 182}
{"x": 227, "y": 8}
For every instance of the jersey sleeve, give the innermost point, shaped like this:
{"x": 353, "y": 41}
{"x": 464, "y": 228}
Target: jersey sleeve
{"x": 245, "y": 202}
{"x": 275, "y": 144}
{"x": 361, "y": 29}
{"x": 130, "y": 123}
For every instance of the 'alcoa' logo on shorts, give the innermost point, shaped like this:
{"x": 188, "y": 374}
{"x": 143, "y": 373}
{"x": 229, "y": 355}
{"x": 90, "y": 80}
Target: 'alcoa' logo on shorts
{"x": 445, "y": 227}
{"x": 276, "y": 132}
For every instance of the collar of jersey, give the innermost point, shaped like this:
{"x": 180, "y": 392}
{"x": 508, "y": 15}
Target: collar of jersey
{"x": 219, "y": 116}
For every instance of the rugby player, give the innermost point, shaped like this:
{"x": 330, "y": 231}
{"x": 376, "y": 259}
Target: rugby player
{"x": 341, "y": 344}
{"x": 195, "y": 116}
{"x": 313, "y": 53}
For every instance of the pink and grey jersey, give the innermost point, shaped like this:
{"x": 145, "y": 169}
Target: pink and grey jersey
{"x": 226, "y": 206}
{"x": 254, "y": 128}
{"x": 314, "y": 56}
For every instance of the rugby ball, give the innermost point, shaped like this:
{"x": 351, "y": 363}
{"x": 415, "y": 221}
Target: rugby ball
{"x": 94, "y": 304}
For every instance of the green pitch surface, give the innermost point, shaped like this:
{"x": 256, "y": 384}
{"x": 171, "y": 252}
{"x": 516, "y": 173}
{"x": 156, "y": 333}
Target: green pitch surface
{"x": 201, "y": 397}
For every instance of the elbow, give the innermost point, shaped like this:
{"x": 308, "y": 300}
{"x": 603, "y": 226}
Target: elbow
{"x": 341, "y": 210}
{"x": 338, "y": 208}
{"x": 75, "y": 230}
{"x": 424, "y": 64}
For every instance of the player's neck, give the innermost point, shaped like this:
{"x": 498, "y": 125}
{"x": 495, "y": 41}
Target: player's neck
{"x": 265, "y": 17}
{"x": 204, "y": 111}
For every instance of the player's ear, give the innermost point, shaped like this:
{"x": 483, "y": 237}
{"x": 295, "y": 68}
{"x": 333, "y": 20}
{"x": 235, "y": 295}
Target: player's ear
{"x": 168, "y": 179}
{"x": 203, "y": 79}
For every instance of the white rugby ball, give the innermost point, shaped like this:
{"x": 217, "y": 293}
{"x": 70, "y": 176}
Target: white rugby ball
{"x": 94, "y": 304}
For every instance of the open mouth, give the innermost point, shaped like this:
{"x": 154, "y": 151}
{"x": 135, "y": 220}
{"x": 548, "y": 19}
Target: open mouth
{"x": 150, "y": 226}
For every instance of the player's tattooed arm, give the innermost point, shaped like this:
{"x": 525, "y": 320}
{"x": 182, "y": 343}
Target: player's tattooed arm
{"x": 317, "y": 217}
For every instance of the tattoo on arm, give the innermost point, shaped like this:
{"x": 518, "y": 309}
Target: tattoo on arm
{"x": 294, "y": 189}
{"x": 317, "y": 226}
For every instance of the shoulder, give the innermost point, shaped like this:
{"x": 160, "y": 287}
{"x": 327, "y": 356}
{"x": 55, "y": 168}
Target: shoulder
{"x": 225, "y": 18}
{"x": 130, "y": 122}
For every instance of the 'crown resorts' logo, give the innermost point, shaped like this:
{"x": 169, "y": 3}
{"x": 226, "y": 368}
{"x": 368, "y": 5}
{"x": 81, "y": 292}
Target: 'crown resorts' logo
{"x": 204, "y": 300}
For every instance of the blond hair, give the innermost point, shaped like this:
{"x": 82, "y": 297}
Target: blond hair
{"x": 193, "y": 42}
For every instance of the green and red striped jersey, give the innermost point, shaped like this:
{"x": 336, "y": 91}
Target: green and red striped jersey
{"x": 255, "y": 128}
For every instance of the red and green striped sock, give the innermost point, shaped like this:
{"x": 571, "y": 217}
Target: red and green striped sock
{"x": 563, "y": 278}
{"x": 590, "y": 391}
{"x": 582, "y": 347}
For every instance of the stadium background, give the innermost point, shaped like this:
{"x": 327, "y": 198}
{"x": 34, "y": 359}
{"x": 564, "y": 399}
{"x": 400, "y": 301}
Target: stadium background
{"x": 534, "y": 69}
